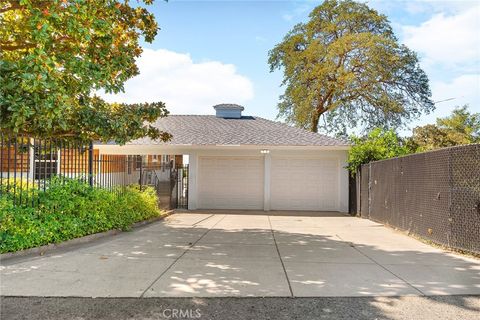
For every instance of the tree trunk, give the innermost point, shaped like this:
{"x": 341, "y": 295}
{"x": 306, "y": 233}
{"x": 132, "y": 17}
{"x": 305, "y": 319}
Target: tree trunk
{"x": 314, "y": 122}
{"x": 316, "y": 119}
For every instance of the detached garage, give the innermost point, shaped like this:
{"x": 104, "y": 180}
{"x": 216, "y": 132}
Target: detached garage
{"x": 250, "y": 163}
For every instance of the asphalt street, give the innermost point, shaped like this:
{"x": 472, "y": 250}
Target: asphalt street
{"x": 438, "y": 308}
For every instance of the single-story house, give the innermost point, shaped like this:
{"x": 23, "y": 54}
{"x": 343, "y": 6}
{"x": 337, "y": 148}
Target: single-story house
{"x": 245, "y": 162}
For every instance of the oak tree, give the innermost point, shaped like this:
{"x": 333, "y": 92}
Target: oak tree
{"x": 345, "y": 68}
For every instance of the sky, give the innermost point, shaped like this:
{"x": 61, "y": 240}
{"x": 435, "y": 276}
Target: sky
{"x": 211, "y": 52}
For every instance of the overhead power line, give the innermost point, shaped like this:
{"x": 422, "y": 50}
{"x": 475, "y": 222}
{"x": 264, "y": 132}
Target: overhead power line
{"x": 449, "y": 99}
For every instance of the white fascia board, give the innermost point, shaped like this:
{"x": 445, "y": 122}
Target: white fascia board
{"x": 185, "y": 149}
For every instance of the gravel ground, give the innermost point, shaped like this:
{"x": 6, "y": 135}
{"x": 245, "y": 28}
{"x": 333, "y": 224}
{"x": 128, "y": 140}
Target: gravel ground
{"x": 438, "y": 307}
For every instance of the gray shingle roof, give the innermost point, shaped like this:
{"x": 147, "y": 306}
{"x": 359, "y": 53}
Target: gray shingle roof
{"x": 210, "y": 130}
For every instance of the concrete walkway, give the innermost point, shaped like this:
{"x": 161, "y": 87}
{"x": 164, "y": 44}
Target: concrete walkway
{"x": 215, "y": 254}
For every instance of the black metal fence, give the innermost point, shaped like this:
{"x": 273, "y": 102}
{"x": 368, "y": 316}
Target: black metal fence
{"x": 435, "y": 195}
{"x": 29, "y": 166}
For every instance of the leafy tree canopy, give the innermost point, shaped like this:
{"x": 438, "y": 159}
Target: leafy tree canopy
{"x": 55, "y": 54}
{"x": 461, "y": 127}
{"x": 346, "y": 65}
{"x": 377, "y": 145}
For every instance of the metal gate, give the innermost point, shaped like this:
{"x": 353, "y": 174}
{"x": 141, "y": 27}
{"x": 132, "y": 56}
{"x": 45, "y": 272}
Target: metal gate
{"x": 179, "y": 180}
{"x": 170, "y": 182}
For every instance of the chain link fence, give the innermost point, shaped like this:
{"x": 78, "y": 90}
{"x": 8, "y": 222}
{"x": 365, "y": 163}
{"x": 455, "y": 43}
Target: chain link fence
{"x": 434, "y": 195}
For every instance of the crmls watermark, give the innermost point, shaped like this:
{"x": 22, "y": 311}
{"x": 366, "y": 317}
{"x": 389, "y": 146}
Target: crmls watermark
{"x": 182, "y": 313}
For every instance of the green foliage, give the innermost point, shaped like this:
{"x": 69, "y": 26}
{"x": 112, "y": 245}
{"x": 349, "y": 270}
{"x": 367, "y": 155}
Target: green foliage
{"x": 346, "y": 65}
{"x": 14, "y": 186}
{"x": 461, "y": 127}
{"x": 69, "y": 209}
{"x": 54, "y": 56}
{"x": 377, "y": 145}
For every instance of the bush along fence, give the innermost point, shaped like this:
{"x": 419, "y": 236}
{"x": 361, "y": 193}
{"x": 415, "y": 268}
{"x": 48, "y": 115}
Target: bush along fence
{"x": 29, "y": 166}
{"x": 434, "y": 195}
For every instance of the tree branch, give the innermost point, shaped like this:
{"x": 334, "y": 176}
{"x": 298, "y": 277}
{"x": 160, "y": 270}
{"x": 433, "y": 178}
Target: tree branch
{"x": 14, "y": 6}
{"x": 13, "y": 47}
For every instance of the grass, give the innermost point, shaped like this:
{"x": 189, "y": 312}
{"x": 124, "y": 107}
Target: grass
{"x": 69, "y": 209}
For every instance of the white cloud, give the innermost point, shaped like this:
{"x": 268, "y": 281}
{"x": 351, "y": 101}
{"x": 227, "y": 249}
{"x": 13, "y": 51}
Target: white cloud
{"x": 428, "y": 6}
{"x": 464, "y": 89}
{"x": 299, "y": 10}
{"x": 447, "y": 39}
{"x": 287, "y": 17}
{"x": 421, "y": 6}
{"x": 185, "y": 86}
{"x": 260, "y": 39}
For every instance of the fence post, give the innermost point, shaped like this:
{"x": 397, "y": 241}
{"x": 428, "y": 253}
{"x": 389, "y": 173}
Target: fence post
{"x": 369, "y": 189}
{"x": 90, "y": 164}
{"x": 141, "y": 172}
{"x": 358, "y": 192}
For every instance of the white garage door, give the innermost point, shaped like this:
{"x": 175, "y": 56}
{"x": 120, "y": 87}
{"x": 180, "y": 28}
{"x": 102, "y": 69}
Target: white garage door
{"x": 230, "y": 183}
{"x": 304, "y": 184}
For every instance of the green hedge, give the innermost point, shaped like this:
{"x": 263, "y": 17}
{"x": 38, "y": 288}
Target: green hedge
{"x": 69, "y": 209}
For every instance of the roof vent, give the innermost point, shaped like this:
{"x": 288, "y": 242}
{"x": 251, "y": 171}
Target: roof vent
{"x": 228, "y": 111}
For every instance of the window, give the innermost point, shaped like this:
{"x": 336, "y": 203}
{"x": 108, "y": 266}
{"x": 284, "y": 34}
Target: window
{"x": 155, "y": 158}
{"x": 46, "y": 162}
{"x": 164, "y": 158}
{"x": 138, "y": 162}
{"x": 130, "y": 164}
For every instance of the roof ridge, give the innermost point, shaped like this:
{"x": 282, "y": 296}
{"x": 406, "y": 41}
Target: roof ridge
{"x": 189, "y": 115}
{"x": 305, "y": 130}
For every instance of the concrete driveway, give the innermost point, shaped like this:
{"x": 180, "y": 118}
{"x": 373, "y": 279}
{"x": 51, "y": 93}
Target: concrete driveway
{"x": 215, "y": 253}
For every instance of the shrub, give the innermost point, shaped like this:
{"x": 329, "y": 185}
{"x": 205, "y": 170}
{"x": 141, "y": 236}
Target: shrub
{"x": 69, "y": 209}
{"x": 13, "y": 187}
{"x": 377, "y": 145}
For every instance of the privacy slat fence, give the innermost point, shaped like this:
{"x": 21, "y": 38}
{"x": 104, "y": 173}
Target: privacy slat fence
{"x": 435, "y": 195}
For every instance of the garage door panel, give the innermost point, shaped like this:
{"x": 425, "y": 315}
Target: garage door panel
{"x": 304, "y": 184}
{"x": 230, "y": 183}
{"x": 296, "y": 183}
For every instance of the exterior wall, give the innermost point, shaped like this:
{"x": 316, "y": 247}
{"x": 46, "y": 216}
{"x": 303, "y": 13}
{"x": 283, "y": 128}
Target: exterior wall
{"x": 179, "y": 160}
{"x": 150, "y": 159}
{"x": 71, "y": 162}
{"x": 19, "y": 174}
{"x": 11, "y": 162}
{"x": 340, "y": 155}
{"x": 110, "y": 163}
